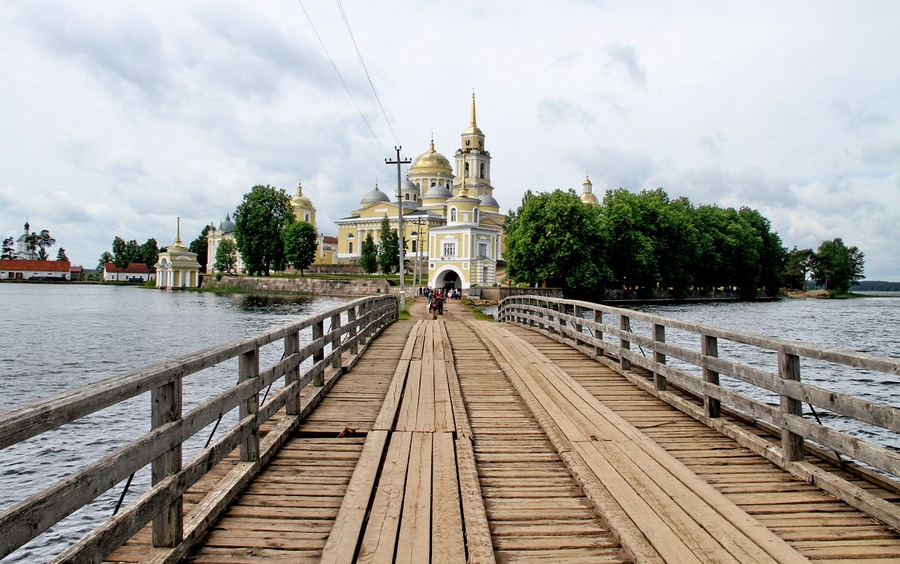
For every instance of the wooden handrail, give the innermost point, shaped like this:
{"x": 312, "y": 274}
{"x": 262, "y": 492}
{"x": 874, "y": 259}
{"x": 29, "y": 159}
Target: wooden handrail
{"x": 331, "y": 352}
{"x": 585, "y": 328}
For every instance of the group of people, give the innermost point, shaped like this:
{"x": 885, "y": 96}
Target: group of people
{"x": 437, "y": 297}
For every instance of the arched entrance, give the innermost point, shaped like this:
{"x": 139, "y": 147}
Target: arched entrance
{"x": 448, "y": 278}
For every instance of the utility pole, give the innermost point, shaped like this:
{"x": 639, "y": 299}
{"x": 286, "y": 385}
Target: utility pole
{"x": 399, "y": 162}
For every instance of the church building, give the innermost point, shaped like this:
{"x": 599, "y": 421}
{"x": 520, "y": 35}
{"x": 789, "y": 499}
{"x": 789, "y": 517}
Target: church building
{"x": 451, "y": 222}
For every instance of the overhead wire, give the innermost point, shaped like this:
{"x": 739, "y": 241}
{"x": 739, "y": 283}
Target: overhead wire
{"x": 334, "y": 66}
{"x": 366, "y": 70}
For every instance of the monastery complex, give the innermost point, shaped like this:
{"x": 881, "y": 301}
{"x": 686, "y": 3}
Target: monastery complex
{"x": 452, "y": 223}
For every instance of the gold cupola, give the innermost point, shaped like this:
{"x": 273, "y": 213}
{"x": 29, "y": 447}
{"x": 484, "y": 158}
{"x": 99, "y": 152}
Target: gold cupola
{"x": 430, "y": 163}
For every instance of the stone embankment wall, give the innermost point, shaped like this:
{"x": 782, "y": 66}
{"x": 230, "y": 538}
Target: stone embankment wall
{"x": 318, "y": 286}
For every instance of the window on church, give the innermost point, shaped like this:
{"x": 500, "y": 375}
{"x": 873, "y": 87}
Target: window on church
{"x": 482, "y": 170}
{"x": 350, "y": 247}
{"x": 482, "y": 249}
{"x": 467, "y": 170}
{"x": 452, "y": 214}
{"x": 450, "y": 249}
{"x": 407, "y": 197}
{"x": 475, "y": 215}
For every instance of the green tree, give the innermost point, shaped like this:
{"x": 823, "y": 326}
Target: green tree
{"x": 300, "y": 244}
{"x": 797, "y": 267}
{"x": 631, "y": 256}
{"x": 388, "y": 248}
{"x": 120, "y": 253}
{"x": 259, "y": 222}
{"x": 200, "y": 245}
{"x": 837, "y": 267}
{"x": 40, "y": 242}
{"x": 133, "y": 252}
{"x": 554, "y": 238}
{"x": 61, "y": 255}
{"x": 369, "y": 255}
{"x": 8, "y": 249}
{"x": 105, "y": 257}
{"x": 226, "y": 256}
{"x": 149, "y": 252}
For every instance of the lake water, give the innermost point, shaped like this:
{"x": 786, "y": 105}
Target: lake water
{"x": 56, "y": 337}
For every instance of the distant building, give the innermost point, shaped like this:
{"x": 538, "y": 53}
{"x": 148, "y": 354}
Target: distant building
{"x": 76, "y": 273}
{"x": 326, "y": 253}
{"x": 177, "y": 266}
{"x": 134, "y": 272}
{"x": 34, "y": 269}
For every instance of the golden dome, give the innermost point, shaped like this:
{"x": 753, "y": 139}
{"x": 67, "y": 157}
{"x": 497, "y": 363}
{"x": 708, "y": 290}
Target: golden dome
{"x": 431, "y": 162}
{"x": 301, "y": 202}
{"x": 589, "y": 199}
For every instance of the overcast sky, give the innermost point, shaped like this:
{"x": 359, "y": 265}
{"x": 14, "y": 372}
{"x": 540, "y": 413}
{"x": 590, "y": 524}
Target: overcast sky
{"x": 118, "y": 116}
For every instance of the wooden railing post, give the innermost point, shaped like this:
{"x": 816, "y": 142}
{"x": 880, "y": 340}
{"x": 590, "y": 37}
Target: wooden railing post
{"x": 291, "y": 347}
{"x": 791, "y": 443}
{"x": 336, "y": 340}
{"x": 354, "y": 330}
{"x": 598, "y": 335}
{"x": 166, "y": 404}
{"x": 248, "y": 369}
{"x": 624, "y": 325}
{"x": 709, "y": 346}
{"x": 318, "y": 334}
{"x": 659, "y": 335}
{"x": 579, "y": 328}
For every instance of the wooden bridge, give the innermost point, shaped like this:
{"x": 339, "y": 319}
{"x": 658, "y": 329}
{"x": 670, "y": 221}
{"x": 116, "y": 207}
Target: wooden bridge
{"x": 556, "y": 437}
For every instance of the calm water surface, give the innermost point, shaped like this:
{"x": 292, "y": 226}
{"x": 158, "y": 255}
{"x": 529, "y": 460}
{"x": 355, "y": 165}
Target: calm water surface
{"x": 57, "y": 337}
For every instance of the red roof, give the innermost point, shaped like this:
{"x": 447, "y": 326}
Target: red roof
{"x": 133, "y": 268}
{"x": 76, "y": 269}
{"x": 35, "y": 265}
{"x": 330, "y": 239}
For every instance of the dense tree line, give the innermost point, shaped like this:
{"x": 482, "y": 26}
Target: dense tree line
{"x": 130, "y": 252}
{"x": 649, "y": 241}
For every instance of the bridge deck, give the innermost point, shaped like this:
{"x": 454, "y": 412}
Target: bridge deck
{"x": 459, "y": 440}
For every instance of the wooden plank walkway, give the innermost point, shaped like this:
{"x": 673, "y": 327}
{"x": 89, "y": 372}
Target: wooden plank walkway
{"x": 463, "y": 441}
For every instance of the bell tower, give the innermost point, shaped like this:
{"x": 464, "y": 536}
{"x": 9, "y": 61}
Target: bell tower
{"x": 473, "y": 162}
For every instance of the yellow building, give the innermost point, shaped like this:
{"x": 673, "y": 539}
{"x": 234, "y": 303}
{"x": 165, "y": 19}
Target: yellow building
{"x": 177, "y": 266}
{"x": 451, "y": 222}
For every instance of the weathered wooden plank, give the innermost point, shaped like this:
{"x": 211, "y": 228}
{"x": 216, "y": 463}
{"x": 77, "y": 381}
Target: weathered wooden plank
{"x": 414, "y": 541}
{"x": 380, "y": 537}
{"x": 447, "y": 543}
{"x": 344, "y": 537}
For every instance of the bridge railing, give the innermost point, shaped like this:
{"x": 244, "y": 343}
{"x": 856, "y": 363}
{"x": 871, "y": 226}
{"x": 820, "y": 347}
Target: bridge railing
{"x": 328, "y": 351}
{"x": 694, "y": 365}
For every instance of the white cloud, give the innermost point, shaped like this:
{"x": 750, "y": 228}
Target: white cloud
{"x": 118, "y": 117}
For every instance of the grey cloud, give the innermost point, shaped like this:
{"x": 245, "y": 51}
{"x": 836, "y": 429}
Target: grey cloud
{"x": 612, "y": 168}
{"x": 860, "y": 117}
{"x": 714, "y": 145}
{"x": 558, "y": 110}
{"x": 625, "y": 57}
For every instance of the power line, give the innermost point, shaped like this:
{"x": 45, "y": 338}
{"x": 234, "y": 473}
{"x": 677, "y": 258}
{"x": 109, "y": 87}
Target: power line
{"x": 366, "y": 70}
{"x": 334, "y": 66}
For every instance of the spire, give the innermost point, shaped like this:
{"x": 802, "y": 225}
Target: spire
{"x": 299, "y": 187}
{"x": 473, "y": 125}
